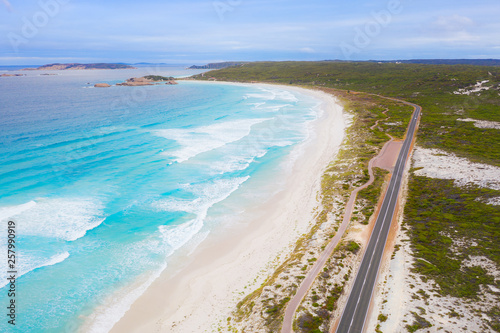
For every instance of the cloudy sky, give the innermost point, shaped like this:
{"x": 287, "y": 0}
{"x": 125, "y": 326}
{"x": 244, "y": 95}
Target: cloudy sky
{"x": 200, "y": 31}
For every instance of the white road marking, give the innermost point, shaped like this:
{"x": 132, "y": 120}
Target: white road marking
{"x": 398, "y": 169}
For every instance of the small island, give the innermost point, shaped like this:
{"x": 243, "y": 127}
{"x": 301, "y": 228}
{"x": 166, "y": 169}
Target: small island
{"x": 8, "y": 75}
{"x": 148, "y": 80}
{"x": 102, "y": 85}
{"x": 77, "y": 66}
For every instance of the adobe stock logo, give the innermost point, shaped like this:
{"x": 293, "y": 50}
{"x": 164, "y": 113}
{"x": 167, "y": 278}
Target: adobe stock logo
{"x": 31, "y": 26}
{"x": 222, "y": 7}
{"x": 371, "y": 29}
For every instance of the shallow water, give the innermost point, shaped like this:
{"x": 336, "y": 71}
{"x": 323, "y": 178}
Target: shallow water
{"x": 105, "y": 184}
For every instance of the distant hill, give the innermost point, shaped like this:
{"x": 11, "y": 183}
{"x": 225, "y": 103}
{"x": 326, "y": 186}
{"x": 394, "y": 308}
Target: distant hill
{"x": 77, "y": 66}
{"x": 477, "y": 62}
{"x": 150, "y": 63}
{"x": 218, "y": 65}
{"x": 157, "y": 64}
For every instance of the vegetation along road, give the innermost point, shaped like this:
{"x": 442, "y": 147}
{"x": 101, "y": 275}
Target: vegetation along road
{"x": 394, "y": 187}
{"x": 354, "y": 315}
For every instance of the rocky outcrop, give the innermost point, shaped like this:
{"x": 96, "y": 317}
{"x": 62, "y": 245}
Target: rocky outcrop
{"x": 136, "y": 81}
{"x": 7, "y": 75}
{"x": 102, "y": 85}
{"x": 147, "y": 81}
{"x": 133, "y": 84}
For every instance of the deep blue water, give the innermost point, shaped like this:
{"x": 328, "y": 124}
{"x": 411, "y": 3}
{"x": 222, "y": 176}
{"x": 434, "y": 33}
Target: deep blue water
{"x": 105, "y": 184}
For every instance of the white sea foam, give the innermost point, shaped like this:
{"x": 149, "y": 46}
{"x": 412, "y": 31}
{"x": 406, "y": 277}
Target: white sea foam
{"x": 286, "y": 96}
{"x": 67, "y": 219}
{"x": 198, "y": 140}
{"x": 53, "y": 218}
{"x": 233, "y": 163}
{"x": 257, "y": 105}
{"x": 240, "y": 158}
{"x": 265, "y": 95}
{"x": 56, "y": 259}
{"x": 281, "y": 131}
{"x": 10, "y": 211}
{"x": 173, "y": 237}
{"x": 308, "y": 134}
{"x": 27, "y": 263}
{"x": 273, "y": 94}
{"x": 105, "y": 317}
{"x": 269, "y": 108}
{"x": 207, "y": 196}
{"x": 179, "y": 235}
{"x": 134, "y": 257}
{"x": 236, "y": 156}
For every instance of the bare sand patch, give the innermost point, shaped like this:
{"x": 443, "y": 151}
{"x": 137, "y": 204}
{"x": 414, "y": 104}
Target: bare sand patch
{"x": 476, "y": 88}
{"x": 482, "y": 123}
{"x": 437, "y": 163}
{"x": 388, "y": 156}
{"x": 493, "y": 201}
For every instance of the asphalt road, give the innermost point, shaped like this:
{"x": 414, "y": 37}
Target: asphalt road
{"x": 355, "y": 312}
{"x": 322, "y": 259}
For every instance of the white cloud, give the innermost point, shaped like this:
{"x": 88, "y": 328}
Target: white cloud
{"x": 36, "y": 58}
{"x": 450, "y": 30}
{"x": 307, "y": 50}
{"x": 451, "y": 24}
{"x": 459, "y": 38}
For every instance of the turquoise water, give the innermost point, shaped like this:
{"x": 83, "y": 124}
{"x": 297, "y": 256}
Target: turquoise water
{"x": 105, "y": 184}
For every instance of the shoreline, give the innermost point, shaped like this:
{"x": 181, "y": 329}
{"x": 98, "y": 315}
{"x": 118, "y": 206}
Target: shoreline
{"x": 202, "y": 286}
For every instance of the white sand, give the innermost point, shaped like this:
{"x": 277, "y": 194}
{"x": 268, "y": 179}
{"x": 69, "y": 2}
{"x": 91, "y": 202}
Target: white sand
{"x": 400, "y": 291}
{"x": 482, "y": 123}
{"x": 200, "y": 289}
{"x": 440, "y": 164}
{"x": 478, "y": 87}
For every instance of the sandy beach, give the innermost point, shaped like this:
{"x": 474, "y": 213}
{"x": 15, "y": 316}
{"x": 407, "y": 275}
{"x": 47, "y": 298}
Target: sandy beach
{"x": 201, "y": 286}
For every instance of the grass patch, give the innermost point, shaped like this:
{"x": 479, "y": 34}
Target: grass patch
{"x": 419, "y": 323}
{"x": 440, "y": 214}
{"x": 352, "y": 246}
{"x": 382, "y": 318}
{"x": 494, "y": 314}
{"x": 331, "y": 300}
{"x": 309, "y": 323}
{"x": 159, "y": 78}
{"x": 371, "y": 194}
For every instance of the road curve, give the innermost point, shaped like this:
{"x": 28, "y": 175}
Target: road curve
{"x": 354, "y": 314}
{"x": 313, "y": 273}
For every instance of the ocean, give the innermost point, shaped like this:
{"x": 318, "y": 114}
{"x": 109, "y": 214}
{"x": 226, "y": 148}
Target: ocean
{"x": 106, "y": 185}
